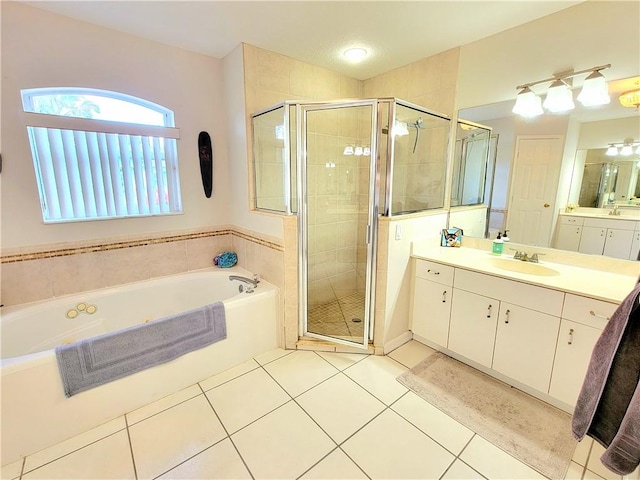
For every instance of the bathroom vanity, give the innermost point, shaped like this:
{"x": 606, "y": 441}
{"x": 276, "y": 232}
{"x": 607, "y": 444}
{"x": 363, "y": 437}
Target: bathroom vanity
{"x": 599, "y": 233}
{"x": 532, "y": 325}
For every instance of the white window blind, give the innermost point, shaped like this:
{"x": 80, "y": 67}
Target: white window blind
{"x": 92, "y": 168}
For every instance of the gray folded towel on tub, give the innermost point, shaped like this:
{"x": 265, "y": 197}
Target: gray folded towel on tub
{"x": 88, "y": 363}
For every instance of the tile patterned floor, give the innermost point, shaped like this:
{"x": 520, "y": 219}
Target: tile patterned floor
{"x": 292, "y": 414}
{"x": 336, "y": 318}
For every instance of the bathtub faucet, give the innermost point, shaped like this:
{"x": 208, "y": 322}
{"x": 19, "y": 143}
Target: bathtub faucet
{"x": 251, "y": 282}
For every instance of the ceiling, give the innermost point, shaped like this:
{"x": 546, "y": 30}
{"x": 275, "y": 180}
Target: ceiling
{"x": 395, "y": 33}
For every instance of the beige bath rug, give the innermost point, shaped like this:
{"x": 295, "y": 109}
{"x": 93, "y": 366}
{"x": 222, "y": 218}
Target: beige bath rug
{"x": 534, "y": 432}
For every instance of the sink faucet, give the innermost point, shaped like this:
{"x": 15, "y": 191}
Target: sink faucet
{"x": 251, "y": 282}
{"x": 615, "y": 210}
{"x": 525, "y": 257}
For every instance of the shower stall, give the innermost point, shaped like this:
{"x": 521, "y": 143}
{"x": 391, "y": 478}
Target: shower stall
{"x": 338, "y": 166}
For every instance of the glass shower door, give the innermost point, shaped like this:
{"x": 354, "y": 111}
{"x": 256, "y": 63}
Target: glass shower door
{"x": 337, "y": 218}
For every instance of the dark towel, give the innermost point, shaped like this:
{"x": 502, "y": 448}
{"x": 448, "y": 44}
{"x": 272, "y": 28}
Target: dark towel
{"x": 608, "y": 407}
{"x": 88, "y": 363}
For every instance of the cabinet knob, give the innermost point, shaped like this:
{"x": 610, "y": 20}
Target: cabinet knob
{"x": 489, "y": 312}
{"x": 570, "y": 336}
{"x": 597, "y": 315}
{"x": 434, "y": 272}
{"x": 506, "y": 320}
{"x": 444, "y": 296}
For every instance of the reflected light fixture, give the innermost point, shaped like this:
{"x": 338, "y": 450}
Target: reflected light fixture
{"x": 625, "y": 149}
{"x": 612, "y": 151}
{"x": 400, "y": 129}
{"x": 348, "y": 150}
{"x": 559, "y": 97}
{"x": 355, "y": 54}
{"x": 630, "y": 99}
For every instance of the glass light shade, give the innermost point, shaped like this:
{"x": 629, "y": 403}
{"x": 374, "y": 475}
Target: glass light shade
{"x": 400, "y": 128}
{"x": 358, "y": 151}
{"x": 367, "y": 151}
{"x": 612, "y": 151}
{"x": 594, "y": 91}
{"x": 528, "y": 104}
{"x": 559, "y": 98}
{"x": 355, "y": 54}
{"x": 626, "y": 150}
{"x": 348, "y": 150}
{"x": 630, "y": 99}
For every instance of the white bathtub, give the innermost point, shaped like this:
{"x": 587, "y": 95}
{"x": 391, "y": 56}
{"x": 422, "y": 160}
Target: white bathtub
{"x": 35, "y": 411}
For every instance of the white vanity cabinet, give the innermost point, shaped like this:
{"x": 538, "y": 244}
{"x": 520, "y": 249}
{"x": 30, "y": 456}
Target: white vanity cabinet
{"x": 582, "y": 322}
{"x": 473, "y": 326}
{"x": 635, "y": 244}
{"x": 610, "y": 237}
{"x": 569, "y": 233}
{"x": 431, "y": 305}
{"x": 525, "y": 345}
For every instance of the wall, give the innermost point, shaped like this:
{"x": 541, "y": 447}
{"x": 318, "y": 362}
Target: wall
{"x": 601, "y": 133}
{"x": 41, "y": 49}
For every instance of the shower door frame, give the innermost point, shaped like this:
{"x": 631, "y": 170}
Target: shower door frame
{"x": 372, "y": 219}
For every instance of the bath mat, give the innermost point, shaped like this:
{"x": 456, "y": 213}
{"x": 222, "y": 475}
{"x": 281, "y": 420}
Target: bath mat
{"x": 534, "y": 432}
{"x": 88, "y": 363}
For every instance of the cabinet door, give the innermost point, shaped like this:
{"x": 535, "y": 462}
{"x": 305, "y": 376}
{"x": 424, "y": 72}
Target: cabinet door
{"x": 592, "y": 240}
{"x": 635, "y": 246}
{"x": 575, "y": 344}
{"x": 618, "y": 243}
{"x": 525, "y": 345}
{"x": 473, "y": 326}
{"x": 430, "y": 311}
{"x": 569, "y": 237}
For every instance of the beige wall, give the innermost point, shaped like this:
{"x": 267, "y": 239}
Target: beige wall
{"x": 41, "y": 49}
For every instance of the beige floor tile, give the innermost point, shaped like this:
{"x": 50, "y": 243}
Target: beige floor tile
{"x": 336, "y": 466}
{"x": 342, "y": 360}
{"x": 340, "y": 406}
{"x": 230, "y": 374}
{"x": 494, "y": 463}
{"x": 108, "y": 458}
{"x": 411, "y": 353}
{"x": 246, "y": 398}
{"x": 574, "y": 472}
{"x": 163, "y": 441}
{"x": 283, "y": 444}
{"x": 300, "y": 371}
{"x": 581, "y": 453}
{"x": 461, "y": 471}
{"x": 272, "y": 355}
{"x": 596, "y": 466}
{"x": 162, "y": 404}
{"x": 74, "y": 443}
{"x": 377, "y": 374}
{"x": 218, "y": 462}
{"x": 11, "y": 470}
{"x": 390, "y": 447}
{"x": 449, "y": 433}
{"x": 589, "y": 475}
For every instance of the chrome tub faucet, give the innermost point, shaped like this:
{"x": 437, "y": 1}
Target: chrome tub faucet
{"x": 250, "y": 282}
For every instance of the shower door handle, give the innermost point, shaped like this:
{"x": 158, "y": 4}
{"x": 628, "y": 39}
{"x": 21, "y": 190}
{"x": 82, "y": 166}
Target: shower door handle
{"x": 368, "y": 234}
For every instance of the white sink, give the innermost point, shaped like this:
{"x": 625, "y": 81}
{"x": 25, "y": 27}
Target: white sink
{"x": 523, "y": 267}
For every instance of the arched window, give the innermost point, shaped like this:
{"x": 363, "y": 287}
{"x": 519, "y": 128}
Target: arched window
{"x": 100, "y": 154}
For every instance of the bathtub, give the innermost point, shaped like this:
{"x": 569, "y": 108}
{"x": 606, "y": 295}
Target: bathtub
{"x": 35, "y": 411}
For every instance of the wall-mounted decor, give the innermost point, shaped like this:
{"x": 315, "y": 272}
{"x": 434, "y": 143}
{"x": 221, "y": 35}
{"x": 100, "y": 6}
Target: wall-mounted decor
{"x": 206, "y": 162}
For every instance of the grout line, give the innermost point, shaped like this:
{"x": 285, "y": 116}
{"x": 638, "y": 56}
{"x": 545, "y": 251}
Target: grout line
{"x": 165, "y": 409}
{"x": 227, "y": 432}
{"x": 133, "y": 460}
{"x": 24, "y": 460}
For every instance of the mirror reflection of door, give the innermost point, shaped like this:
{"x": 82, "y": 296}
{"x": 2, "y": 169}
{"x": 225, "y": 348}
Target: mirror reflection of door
{"x": 534, "y": 184}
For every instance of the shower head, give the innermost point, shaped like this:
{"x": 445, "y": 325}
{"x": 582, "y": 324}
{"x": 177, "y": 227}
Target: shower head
{"x": 417, "y": 124}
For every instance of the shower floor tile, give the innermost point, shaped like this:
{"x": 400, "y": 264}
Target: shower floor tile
{"x": 336, "y": 416}
{"x": 341, "y": 318}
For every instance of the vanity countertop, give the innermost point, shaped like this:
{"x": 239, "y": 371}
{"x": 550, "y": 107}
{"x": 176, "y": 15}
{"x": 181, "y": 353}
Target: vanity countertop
{"x": 602, "y": 285}
{"x": 624, "y": 215}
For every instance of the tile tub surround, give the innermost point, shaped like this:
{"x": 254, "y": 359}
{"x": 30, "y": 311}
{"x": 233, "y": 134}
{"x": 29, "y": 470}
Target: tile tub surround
{"x": 200, "y": 432}
{"x": 54, "y": 270}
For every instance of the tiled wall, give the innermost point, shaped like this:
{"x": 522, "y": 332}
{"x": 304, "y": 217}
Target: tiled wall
{"x": 54, "y": 270}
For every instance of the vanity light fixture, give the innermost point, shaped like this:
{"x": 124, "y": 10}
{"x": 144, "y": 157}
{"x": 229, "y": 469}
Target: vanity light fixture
{"x": 625, "y": 149}
{"x": 612, "y": 151}
{"x": 400, "y": 129}
{"x": 348, "y": 150}
{"x": 559, "y": 97}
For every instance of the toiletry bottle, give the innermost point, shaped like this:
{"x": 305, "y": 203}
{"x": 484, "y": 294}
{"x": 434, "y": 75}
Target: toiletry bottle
{"x": 498, "y": 245}
{"x": 505, "y": 238}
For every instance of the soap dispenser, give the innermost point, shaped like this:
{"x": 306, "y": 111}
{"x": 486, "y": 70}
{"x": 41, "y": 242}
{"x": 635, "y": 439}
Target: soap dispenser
{"x": 498, "y": 245}
{"x": 505, "y": 238}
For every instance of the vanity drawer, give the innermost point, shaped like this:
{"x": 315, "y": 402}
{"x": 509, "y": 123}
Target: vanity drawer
{"x": 610, "y": 223}
{"x": 588, "y": 311}
{"x": 536, "y": 298}
{"x": 436, "y": 272}
{"x": 568, "y": 220}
